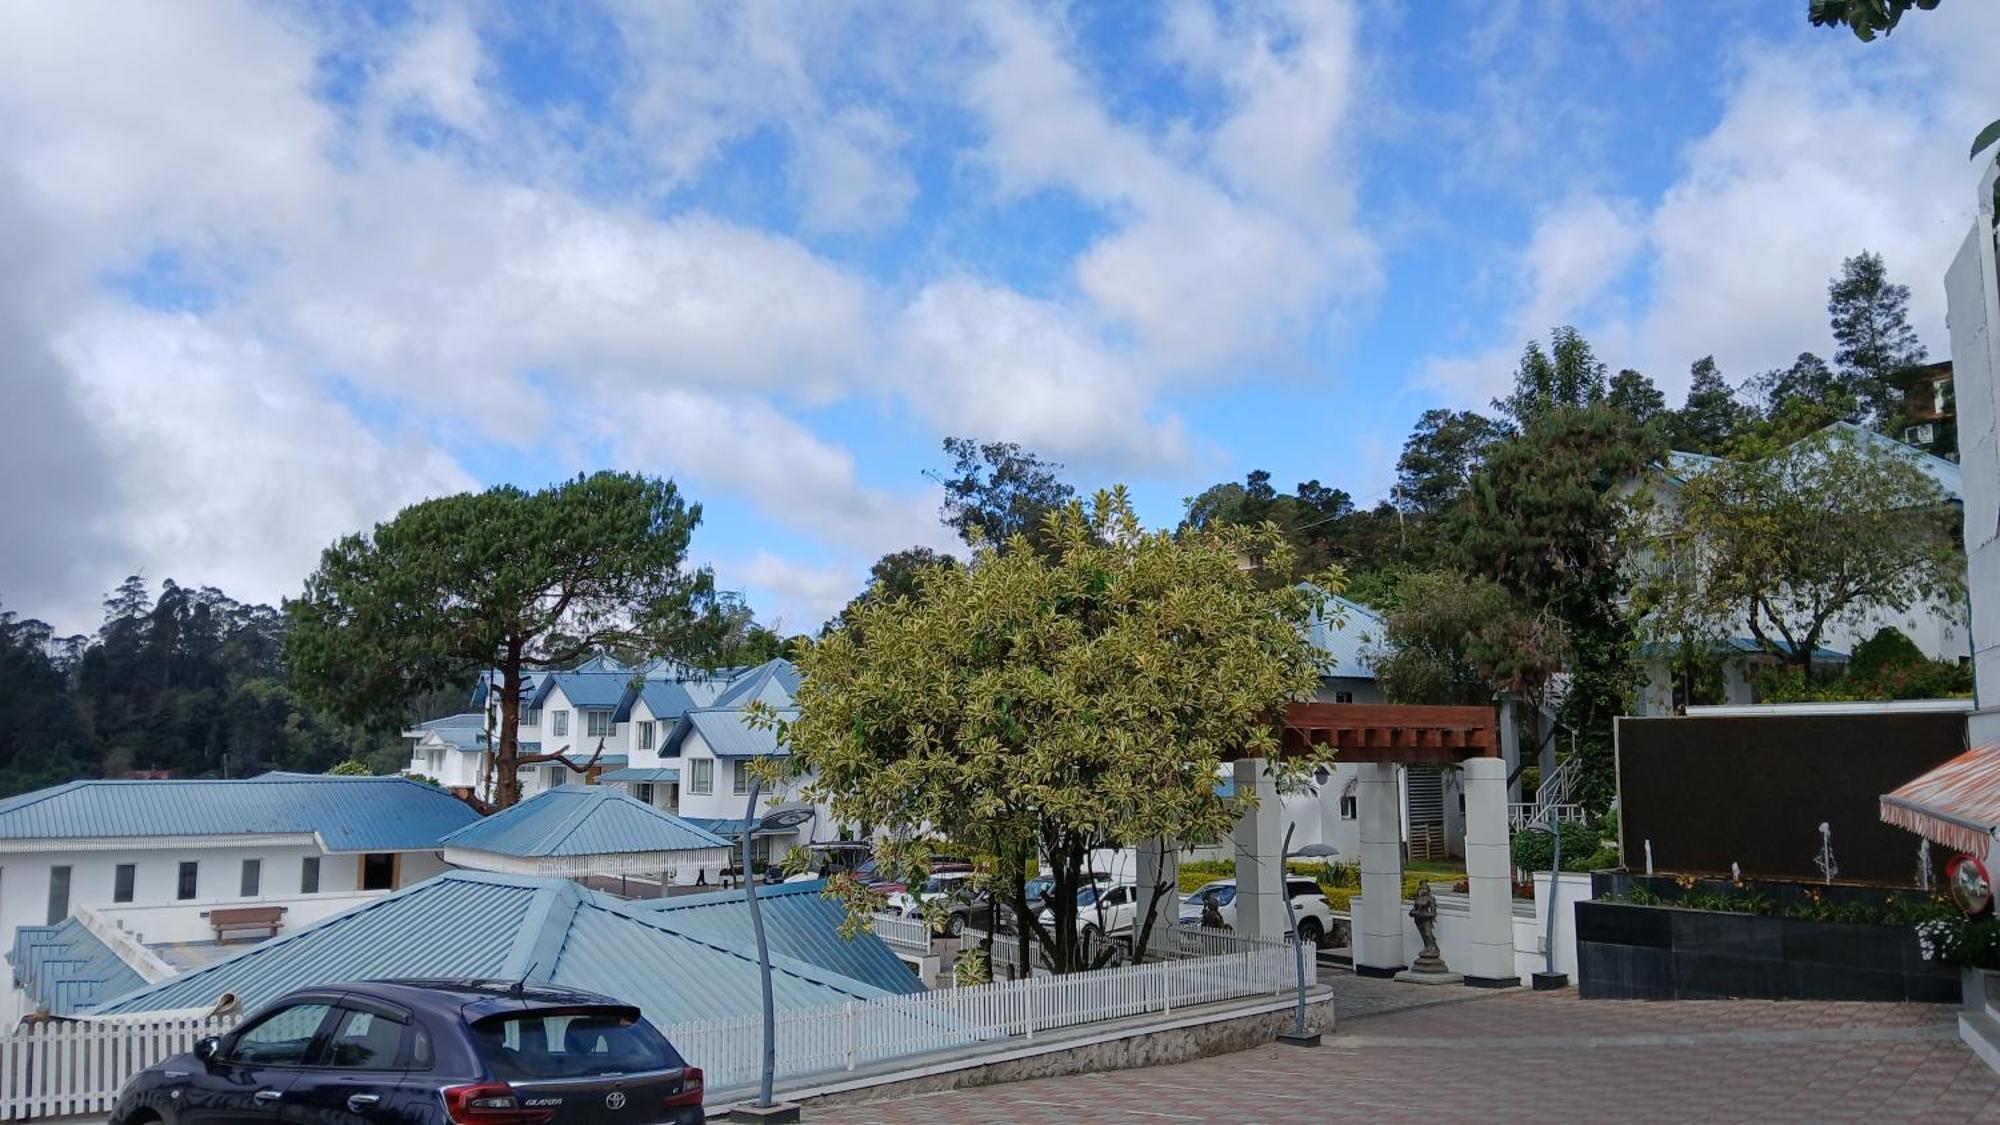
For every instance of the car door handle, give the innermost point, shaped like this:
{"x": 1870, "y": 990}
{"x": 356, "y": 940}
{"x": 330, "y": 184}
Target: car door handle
{"x": 358, "y": 1102}
{"x": 268, "y": 1095}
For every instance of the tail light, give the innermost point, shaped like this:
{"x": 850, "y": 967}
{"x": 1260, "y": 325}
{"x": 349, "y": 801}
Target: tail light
{"x": 691, "y": 1088}
{"x": 489, "y": 1103}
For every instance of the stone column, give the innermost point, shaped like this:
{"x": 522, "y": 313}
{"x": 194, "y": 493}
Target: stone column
{"x": 1490, "y": 964}
{"x": 1378, "y": 926}
{"x": 1259, "y": 838}
{"x": 1158, "y": 861}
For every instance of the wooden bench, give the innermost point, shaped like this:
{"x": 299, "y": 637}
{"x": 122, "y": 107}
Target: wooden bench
{"x": 245, "y": 918}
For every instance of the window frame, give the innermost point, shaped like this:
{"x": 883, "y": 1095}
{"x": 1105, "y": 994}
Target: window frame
{"x": 701, "y": 776}
{"x": 559, "y": 724}
{"x": 404, "y": 1058}
{"x": 643, "y": 792}
{"x": 250, "y": 882}
{"x": 124, "y": 883}
{"x": 314, "y": 1043}
{"x": 644, "y": 736}
{"x": 361, "y": 871}
{"x": 67, "y": 880}
{"x": 1350, "y": 808}
{"x": 739, "y": 778}
{"x": 598, "y": 723}
{"x": 187, "y": 881}
{"x": 309, "y": 886}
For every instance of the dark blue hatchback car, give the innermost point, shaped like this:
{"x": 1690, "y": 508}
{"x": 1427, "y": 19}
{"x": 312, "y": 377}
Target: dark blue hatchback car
{"x": 425, "y": 1052}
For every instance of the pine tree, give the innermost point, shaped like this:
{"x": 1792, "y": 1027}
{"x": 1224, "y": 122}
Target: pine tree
{"x": 1635, "y": 396}
{"x": 1711, "y": 416}
{"x": 1870, "y": 319}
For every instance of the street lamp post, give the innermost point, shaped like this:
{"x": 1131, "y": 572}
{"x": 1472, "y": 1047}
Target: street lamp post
{"x": 778, "y": 818}
{"x": 1298, "y": 1036}
{"x": 1549, "y": 979}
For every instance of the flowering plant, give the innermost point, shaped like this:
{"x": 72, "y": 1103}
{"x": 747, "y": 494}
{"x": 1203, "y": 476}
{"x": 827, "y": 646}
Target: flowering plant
{"x": 1958, "y": 940}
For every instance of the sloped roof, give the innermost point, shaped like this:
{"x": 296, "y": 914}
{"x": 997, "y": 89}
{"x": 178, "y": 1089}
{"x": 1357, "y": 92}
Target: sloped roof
{"x": 464, "y": 731}
{"x": 467, "y": 924}
{"x": 581, "y": 820}
{"x": 1346, "y": 631}
{"x": 798, "y": 922}
{"x": 347, "y": 814}
{"x": 666, "y": 699}
{"x": 774, "y": 682}
{"x": 66, "y": 969}
{"x": 590, "y": 689}
{"x": 640, "y": 774}
{"x": 729, "y": 734}
{"x": 1948, "y": 476}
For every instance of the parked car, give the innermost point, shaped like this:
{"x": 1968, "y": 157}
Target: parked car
{"x": 948, "y": 885}
{"x": 425, "y": 1053}
{"x": 833, "y": 857}
{"x": 1308, "y": 903}
{"x": 1102, "y": 909}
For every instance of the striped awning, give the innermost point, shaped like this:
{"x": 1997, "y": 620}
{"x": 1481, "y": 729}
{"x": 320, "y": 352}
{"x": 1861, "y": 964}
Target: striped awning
{"x": 1957, "y": 804}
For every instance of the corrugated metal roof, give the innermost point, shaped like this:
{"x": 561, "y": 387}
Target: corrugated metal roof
{"x": 348, "y": 814}
{"x": 728, "y": 734}
{"x": 579, "y": 820}
{"x": 640, "y": 775}
{"x": 1946, "y": 475}
{"x": 775, "y": 682}
{"x": 499, "y": 927}
{"x": 798, "y": 922}
{"x": 1956, "y": 804}
{"x": 585, "y": 689}
{"x": 666, "y": 699}
{"x": 1345, "y": 632}
{"x": 67, "y": 970}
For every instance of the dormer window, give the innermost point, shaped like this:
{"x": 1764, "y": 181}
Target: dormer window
{"x": 597, "y": 723}
{"x": 645, "y": 736}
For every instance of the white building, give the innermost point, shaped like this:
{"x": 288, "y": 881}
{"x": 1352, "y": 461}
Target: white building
{"x": 146, "y": 865}
{"x": 1972, "y": 295}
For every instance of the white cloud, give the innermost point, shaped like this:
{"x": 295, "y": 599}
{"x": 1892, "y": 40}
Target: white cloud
{"x": 801, "y": 596}
{"x": 437, "y": 70}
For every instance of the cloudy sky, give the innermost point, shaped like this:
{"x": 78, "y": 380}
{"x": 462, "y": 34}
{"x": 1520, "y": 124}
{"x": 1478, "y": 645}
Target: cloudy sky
{"x": 270, "y": 271}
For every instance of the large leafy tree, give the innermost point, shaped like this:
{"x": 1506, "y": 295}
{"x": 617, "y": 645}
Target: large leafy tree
{"x": 1711, "y": 416}
{"x": 1044, "y": 703}
{"x": 505, "y": 580}
{"x": 1456, "y": 638}
{"x": 1635, "y": 396}
{"x": 1548, "y": 521}
{"x": 898, "y": 575}
{"x": 1782, "y": 547}
{"x": 1871, "y": 326}
{"x": 1440, "y": 457}
{"x": 997, "y": 492}
{"x": 1566, "y": 375}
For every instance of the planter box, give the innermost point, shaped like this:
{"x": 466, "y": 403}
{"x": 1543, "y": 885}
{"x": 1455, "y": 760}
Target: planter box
{"x": 1666, "y": 953}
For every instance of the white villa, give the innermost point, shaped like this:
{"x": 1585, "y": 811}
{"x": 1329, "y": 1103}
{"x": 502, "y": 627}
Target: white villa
{"x": 156, "y": 869}
{"x": 677, "y": 739}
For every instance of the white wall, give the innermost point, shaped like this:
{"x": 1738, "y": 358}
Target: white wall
{"x": 1972, "y": 297}
{"x": 1530, "y": 922}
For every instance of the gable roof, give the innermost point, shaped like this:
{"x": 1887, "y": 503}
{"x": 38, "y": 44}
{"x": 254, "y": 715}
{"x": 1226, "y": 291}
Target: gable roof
{"x": 463, "y": 731}
{"x": 666, "y": 699}
{"x": 775, "y": 682}
{"x": 591, "y": 689}
{"x": 1345, "y": 631}
{"x": 581, "y": 820}
{"x": 67, "y": 969}
{"x": 798, "y": 922}
{"x": 473, "y": 925}
{"x": 346, "y": 814}
{"x": 728, "y": 734}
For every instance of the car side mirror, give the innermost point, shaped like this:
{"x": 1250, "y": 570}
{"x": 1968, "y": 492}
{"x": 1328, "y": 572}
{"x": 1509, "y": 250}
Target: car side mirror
{"x": 208, "y": 1049}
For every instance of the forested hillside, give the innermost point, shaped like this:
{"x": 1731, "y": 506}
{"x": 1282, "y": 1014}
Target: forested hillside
{"x": 190, "y": 681}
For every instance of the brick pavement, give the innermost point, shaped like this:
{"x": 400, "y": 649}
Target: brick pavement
{"x": 1526, "y": 1056}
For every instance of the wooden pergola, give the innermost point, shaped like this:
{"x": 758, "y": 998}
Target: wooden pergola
{"x": 1390, "y": 732}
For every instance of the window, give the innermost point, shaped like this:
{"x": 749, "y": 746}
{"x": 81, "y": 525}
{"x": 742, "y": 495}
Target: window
{"x": 643, "y": 791}
{"x": 531, "y": 716}
{"x": 122, "y": 879}
{"x": 58, "y": 893}
{"x": 1349, "y": 808}
{"x": 1343, "y": 697}
{"x": 253, "y": 878}
{"x": 378, "y": 871}
{"x": 701, "y": 775}
{"x": 281, "y": 1038}
{"x": 537, "y": 1048}
{"x": 559, "y": 724}
{"x": 740, "y": 771}
{"x": 1302, "y": 888}
{"x": 597, "y": 723}
{"x": 189, "y": 881}
{"x": 365, "y": 1041}
{"x": 309, "y": 875}
{"x": 645, "y": 736}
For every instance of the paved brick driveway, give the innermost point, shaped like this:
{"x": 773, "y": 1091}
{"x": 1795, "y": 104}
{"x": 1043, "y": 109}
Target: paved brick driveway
{"x": 1524, "y": 1056}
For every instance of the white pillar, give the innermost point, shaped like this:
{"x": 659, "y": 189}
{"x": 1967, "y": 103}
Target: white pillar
{"x": 1490, "y": 962}
{"x": 1259, "y": 838}
{"x": 1158, "y": 862}
{"x": 1510, "y": 744}
{"x": 1378, "y": 929}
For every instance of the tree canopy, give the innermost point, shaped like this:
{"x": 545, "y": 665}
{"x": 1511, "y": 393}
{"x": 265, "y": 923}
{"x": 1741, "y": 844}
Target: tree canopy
{"x": 997, "y": 492}
{"x": 1871, "y": 326}
{"x": 1049, "y": 702}
{"x": 502, "y": 580}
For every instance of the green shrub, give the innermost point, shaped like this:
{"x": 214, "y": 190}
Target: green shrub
{"x": 1533, "y": 851}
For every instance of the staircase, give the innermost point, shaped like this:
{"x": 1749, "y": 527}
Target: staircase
{"x": 1554, "y": 801}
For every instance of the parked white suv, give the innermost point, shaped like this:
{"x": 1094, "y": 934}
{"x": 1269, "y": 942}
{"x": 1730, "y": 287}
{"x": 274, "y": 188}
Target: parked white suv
{"x": 1308, "y": 904}
{"x": 1112, "y": 912}
{"x": 945, "y": 884}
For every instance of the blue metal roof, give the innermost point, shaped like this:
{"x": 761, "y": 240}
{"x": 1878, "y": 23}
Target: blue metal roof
{"x": 1946, "y": 475}
{"x": 501, "y": 927}
{"x": 579, "y": 820}
{"x": 666, "y": 699}
{"x": 640, "y": 775}
{"x": 66, "y": 969}
{"x": 1345, "y": 632}
{"x": 731, "y": 827}
{"x": 728, "y": 734}
{"x": 348, "y": 814}
{"x": 586, "y": 689}
{"x": 775, "y": 682}
{"x": 798, "y": 921}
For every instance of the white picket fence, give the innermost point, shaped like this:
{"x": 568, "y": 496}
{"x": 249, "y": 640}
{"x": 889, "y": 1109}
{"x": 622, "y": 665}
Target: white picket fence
{"x": 58, "y": 1069}
{"x": 910, "y": 933}
{"x": 858, "y": 1033}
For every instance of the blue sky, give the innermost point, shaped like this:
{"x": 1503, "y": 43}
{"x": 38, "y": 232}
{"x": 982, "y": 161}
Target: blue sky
{"x": 276, "y": 270}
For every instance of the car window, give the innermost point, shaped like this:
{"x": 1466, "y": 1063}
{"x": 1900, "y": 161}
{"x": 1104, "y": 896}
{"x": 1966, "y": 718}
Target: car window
{"x": 364, "y": 1041}
{"x": 1299, "y": 887}
{"x": 571, "y": 1045}
{"x": 1117, "y": 896}
{"x": 281, "y": 1038}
